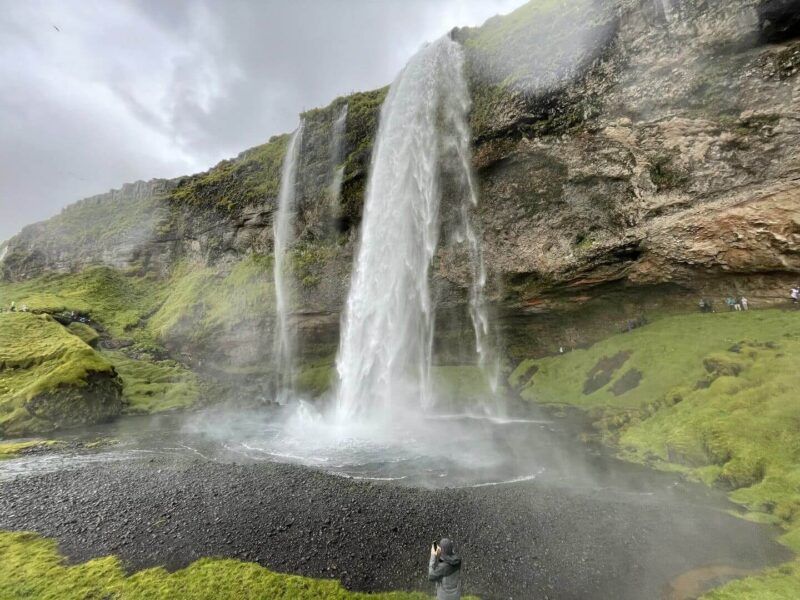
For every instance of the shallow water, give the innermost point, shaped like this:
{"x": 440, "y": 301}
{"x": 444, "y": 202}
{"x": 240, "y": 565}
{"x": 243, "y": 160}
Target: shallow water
{"x": 445, "y": 450}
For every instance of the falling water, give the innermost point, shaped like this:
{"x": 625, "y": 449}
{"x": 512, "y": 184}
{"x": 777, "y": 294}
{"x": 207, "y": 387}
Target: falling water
{"x": 337, "y": 151}
{"x": 384, "y": 359}
{"x": 284, "y": 337}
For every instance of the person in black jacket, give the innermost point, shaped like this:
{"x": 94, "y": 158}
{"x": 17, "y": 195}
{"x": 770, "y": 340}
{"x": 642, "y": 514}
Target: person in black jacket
{"x": 444, "y": 569}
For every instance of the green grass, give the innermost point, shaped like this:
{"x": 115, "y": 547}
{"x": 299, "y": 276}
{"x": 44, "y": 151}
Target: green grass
{"x": 782, "y": 583}
{"x": 668, "y": 352}
{"x": 717, "y": 399}
{"x": 31, "y": 568}
{"x": 116, "y": 300}
{"x": 150, "y": 386}
{"x": 40, "y": 359}
{"x": 13, "y": 449}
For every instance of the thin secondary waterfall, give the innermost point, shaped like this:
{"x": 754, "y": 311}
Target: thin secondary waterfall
{"x": 283, "y": 353}
{"x": 384, "y": 360}
{"x": 337, "y": 151}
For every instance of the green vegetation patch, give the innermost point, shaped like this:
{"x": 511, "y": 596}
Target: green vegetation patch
{"x": 668, "y": 352}
{"x": 781, "y": 583}
{"x": 151, "y": 386}
{"x": 31, "y": 567}
{"x": 86, "y": 333}
{"x": 13, "y": 449}
{"x": 116, "y": 300}
{"x": 46, "y": 377}
{"x": 251, "y": 177}
{"x": 201, "y": 302}
{"x": 715, "y": 398}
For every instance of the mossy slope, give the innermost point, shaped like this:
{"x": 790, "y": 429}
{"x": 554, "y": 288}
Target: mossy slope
{"x": 50, "y": 378}
{"x": 715, "y": 397}
{"x": 204, "y": 308}
{"x": 107, "y": 295}
{"x": 30, "y": 567}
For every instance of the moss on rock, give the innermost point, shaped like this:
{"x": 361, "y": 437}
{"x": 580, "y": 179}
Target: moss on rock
{"x": 153, "y": 386}
{"x": 51, "y": 379}
{"x": 116, "y": 300}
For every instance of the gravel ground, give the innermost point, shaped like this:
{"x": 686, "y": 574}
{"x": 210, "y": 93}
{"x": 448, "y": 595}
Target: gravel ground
{"x": 517, "y": 541}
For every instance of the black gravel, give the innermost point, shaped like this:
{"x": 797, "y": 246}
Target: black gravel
{"x": 518, "y": 541}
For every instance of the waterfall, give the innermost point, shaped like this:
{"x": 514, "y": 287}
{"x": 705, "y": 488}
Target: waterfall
{"x": 384, "y": 359}
{"x": 337, "y": 169}
{"x": 283, "y": 353}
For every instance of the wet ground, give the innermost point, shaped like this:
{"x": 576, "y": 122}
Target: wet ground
{"x": 536, "y": 512}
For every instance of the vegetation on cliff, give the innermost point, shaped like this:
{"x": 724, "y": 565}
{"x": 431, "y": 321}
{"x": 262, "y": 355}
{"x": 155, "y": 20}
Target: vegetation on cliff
{"x": 202, "y": 304}
{"x": 50, "y": 378}
{"x": 251, "y": 177}
{"x": 31, "y": 567}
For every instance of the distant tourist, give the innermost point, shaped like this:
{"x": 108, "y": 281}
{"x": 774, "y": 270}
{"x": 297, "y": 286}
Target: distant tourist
{"x": 731, "y": 303}
{"x": 444, "y": 569}
{"x": 794, "y": 295}
{"x": 706, "y": 305}
{"x": 13, "y": 306}
{"x": 737, "y": 305}
{"x": 744, "y": 303}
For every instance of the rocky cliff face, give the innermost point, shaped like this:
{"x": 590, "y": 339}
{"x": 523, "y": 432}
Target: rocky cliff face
{"x": 638, "y": 152}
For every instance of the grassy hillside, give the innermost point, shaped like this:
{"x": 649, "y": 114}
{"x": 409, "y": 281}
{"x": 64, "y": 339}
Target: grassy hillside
{"x": 59, "y": 357}
{"x": 714, "y": 396}
{"x": 30, "y": 567}
{"x": 50, "y": 378}
{"x": 115, "y": 300}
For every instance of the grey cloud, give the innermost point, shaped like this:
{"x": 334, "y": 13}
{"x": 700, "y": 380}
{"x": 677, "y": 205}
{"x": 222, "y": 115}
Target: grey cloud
{"x": 139, "y": 89}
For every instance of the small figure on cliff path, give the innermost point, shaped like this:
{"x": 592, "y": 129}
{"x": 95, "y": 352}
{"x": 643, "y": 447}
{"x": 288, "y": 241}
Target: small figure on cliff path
{"x": 444, "y": 569}
{"x": 794, "y": 294}
{"x": 744, "y": 304}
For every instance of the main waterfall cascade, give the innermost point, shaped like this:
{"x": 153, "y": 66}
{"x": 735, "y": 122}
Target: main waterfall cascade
{"x": 385, "y": 352}
{"x": 284, "y": 345}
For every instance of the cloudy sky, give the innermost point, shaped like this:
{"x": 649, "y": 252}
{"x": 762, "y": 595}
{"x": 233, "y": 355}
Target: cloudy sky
{"x": 96, "y": 93}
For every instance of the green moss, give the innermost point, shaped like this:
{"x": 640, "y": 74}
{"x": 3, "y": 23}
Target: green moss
{"x": 88, "y": 334}
{"x": 668, "y": 353}
{"x": 307, "y": 262}
{"x": 461, "y": 383}
{"x": 201, "y": 302}
{"x": 12, "y": 449}
{"x": 253, "y": 176}
{"x": 315, "y": 379}
{"x": 116, "y": 300}
{"x": 31, "y": 567}
{"x": 150, "y": 386}
{"x": 717, "y": 401}
{"x": 781, "y": 583}
{"x": 44, "y": 374}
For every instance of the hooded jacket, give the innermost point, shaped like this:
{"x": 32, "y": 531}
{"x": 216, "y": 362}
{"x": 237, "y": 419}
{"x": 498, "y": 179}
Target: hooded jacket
{"x": 445, "y": 571}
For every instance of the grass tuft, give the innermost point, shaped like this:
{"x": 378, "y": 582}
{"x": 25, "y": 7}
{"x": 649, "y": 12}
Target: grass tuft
{"x": 31, "y": 567}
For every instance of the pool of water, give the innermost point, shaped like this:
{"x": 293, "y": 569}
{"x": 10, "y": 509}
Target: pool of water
{"x": 435, "y": 451}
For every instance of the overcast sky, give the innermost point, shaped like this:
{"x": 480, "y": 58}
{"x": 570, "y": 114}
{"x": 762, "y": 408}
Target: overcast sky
{"x": 96, "y": 93}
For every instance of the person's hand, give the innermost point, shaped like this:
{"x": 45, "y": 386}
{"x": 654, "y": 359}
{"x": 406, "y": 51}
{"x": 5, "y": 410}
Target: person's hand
{"x": 434, "y": 551}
